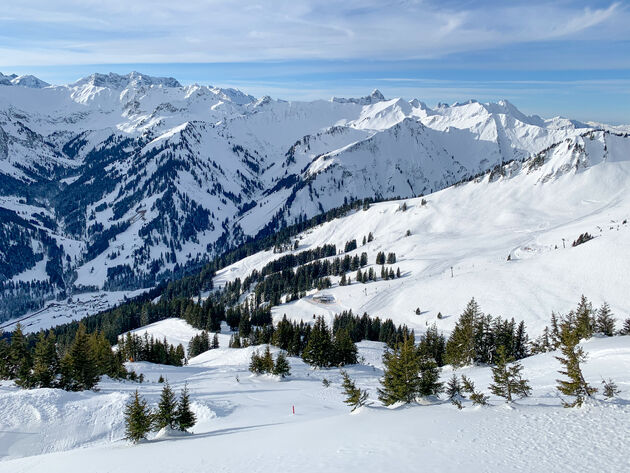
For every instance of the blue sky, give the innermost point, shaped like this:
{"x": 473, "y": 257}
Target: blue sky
{"x": 568, "y": 58}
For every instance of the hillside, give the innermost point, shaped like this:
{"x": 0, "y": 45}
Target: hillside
{"x": 118, "y": 182}
{"x": 528, "y": 211}
{"x": 45, "y": 430}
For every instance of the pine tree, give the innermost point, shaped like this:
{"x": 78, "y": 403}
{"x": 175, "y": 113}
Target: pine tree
{"x": 256, "y": 363}
{"x": 573, "y": 355}
{"x": 401, "y": 381}
{"x": 454, "y": 391}
{"x": 215, "y": 341}
{"x": 610, "y": 389}
{"x": 19, "y": 361}
{"x": 625, "y": 330}
{"x": 605, "y": 322}
{"x": 184, "y": 416}
{"x": 4, "y": 358}
{"x": 430, "y": 384}
{"x": 460, "y": 347}
{"x": 45, "y": 361}
{"x": 267, "y": 361}
{"x": 507, "y": 378}
{"x": 345, "y": 351}
{"x": 138, "y": 419}
{"x": 355, "y": 397}
{"x": 584, "y": 319}
{"x": 477, "y": 397}
{"x": 554, "y": 333}
{"x": 245, "y": 326}
{"x": 78, "y": 368}
{"x": 281, "y": 367}
{"x": 166, "y": 413}
{"x": 319, "y": 350}
{"x": 521, "y": 342}
{"x": 433, "y": 344}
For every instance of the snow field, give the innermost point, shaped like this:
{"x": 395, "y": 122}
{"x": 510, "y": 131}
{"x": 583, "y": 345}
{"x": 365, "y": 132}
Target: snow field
{"x": 245, "y": 422}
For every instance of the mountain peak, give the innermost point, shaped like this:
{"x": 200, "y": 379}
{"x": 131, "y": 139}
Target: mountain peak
{"x": 117, "y": 81}
{"x": 375, "y": 97}
{"x": 23, "y": 81}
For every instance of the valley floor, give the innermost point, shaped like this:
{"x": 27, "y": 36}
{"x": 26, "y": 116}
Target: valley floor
{"x": 245, "y": 422}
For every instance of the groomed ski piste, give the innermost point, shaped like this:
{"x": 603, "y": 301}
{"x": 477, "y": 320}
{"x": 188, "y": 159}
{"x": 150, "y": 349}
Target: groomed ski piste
{"x": 248, "y": 423}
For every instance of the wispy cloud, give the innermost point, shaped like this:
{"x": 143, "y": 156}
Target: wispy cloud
{"x": 116, "y": 31}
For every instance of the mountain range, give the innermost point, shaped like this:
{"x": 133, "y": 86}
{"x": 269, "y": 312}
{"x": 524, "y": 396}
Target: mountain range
{"x": 117, "y": 182}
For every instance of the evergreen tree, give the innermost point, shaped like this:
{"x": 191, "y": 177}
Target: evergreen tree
{"x": 267, "y": 361}
{"x": 401, "y": 381}
{"x": 138, "y": 419}
{"x": 433, "y": 344}
{"x": 610, "y": 389}
{"x": 215, "y": 341}
{"x": 345, "y": 351}
{"x": 477, "y": 397}
{"x": 79, "y": 370}
{"x": 184, "y": 416}
{"x": 355, "y": 397}
{"x": 256, "y": 363}
{"x": 605, "y": 322}
{"x": 166, "y": 414}
{"x": 45, "y": 360}
{"x": 460, "y": 347}
{"x": 281, "y": 367}
{"x": 4, "y": 359}
{"x": 625, "y": 330}
{"x": 19, "y": 361}
{"x": 319, "y": 350}
{"x": 521, "y": 342}
{"x": 573, "y": 355}
{"x": 584, "y": 319}
{"x": 244, "y": 326}
{"x": 430, "y": 384}
{"x": 454, "y": 391}
{"x": 507, "y": 378}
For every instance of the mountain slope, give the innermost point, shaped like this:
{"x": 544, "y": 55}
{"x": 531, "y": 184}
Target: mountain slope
{"x": 140, "y": 179}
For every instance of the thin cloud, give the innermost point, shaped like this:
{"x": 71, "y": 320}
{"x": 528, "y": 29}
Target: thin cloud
{"x": 115, "y": 31}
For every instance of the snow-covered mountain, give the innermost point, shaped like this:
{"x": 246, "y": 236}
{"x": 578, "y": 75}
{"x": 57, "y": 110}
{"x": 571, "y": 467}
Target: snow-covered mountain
{"x": 117, "y": 181}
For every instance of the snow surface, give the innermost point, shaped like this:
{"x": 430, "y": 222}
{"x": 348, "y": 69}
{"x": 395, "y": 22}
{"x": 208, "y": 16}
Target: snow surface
{"x": 245, "y": 422}
{"x": 531, "y": 216}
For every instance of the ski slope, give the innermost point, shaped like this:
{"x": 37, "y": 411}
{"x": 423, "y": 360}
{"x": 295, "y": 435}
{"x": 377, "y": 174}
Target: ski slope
{"x": 245, "y": 422}
{"x": 461, "y": 238}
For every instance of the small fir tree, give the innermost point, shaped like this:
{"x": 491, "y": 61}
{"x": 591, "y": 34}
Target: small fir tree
{"x": 79, "y": 369}
{"x": 138, "y": 419}
{"x": 355, "y": 397}
{"x": 19, "y": 360}
{"x": 610, "y": 389}
{"x": 430, "y": 384}
{"x": 344, "y": 348}
{"x": 477, "y": 397}
{"x": 45, "y": 361}
{"x": 184, "y": 416}
{"x": 401, "y": 381}
{"x": 605, "y": 322}
{"x": 460, "y": 347}
{"x": 507, "y": 378}
{"x": 454, "y": 391}
{"x": 267, "y": 361}
{"x": 165, "y": 416}
{"x": 319, "y": 350}
{"x": 281, "y": 367}
{"x": 572, "y": 356}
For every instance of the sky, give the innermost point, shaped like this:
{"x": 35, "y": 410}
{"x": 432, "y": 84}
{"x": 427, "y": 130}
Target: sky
{"x": 569, "y": 58}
